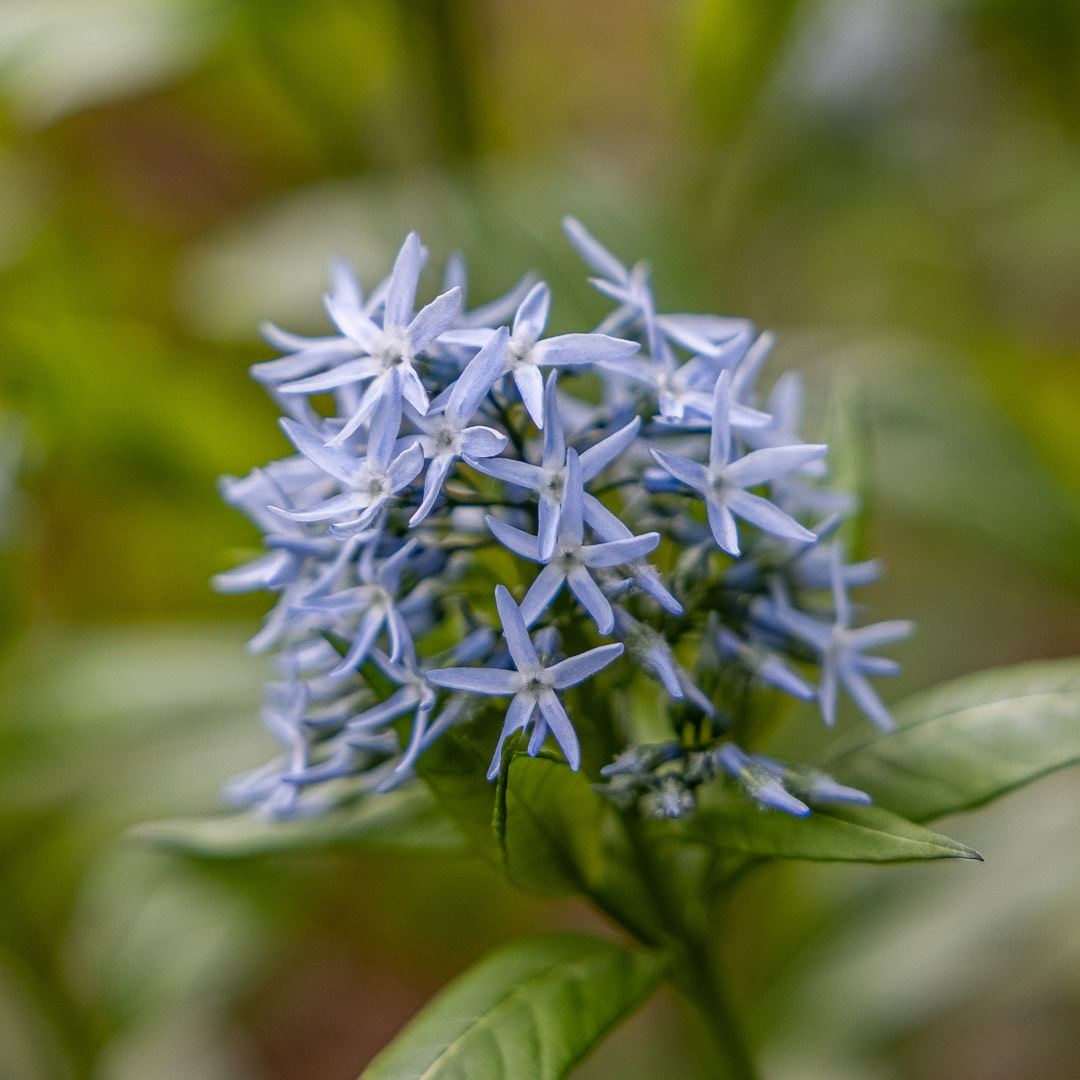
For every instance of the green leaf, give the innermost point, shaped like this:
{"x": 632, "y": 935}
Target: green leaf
{"x": 532, "y": 1010}
{"x": 836, "y": 833}
{"x": 407, "y": 818}
{"x": 552, "y": 827}
{"x": 971, "y": 740}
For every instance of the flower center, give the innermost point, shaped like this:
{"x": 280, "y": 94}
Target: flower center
{"x": 396, "y": 348}
{"x": 553, "y": 483}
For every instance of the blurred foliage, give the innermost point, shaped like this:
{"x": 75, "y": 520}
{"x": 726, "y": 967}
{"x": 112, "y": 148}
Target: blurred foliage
{"x": 894, "y": 186}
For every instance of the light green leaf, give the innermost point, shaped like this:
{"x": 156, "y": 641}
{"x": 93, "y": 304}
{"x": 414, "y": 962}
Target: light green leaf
{"x": 551, "y": 830}
{"x": 971, "y": 740}
{"x": 406, "y": 818}
{"x": 836, "y": 833}
{"x": 532, "y": 1010}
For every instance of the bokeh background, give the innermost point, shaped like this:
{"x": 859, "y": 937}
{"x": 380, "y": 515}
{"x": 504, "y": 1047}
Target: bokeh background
{"x": 893, "y": 185}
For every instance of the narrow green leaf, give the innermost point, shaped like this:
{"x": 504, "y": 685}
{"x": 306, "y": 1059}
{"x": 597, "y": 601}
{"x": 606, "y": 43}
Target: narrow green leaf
{"x": 971, "y": 740}
{"x": 551, "y": 835}
{"x": 836, "y": 833}
{"x": 407, "y": 819}
{"x": 532, "y": 1010}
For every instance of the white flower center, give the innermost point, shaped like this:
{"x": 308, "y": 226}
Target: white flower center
{"x": 553, "y": 483}
{"x": 395, "y": 348}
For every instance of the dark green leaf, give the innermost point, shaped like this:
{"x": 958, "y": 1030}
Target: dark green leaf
{"x": 552, "y": 836}
{"x": 971, "y": 740}
{"x": 836, "y": 833}
{"x": 530, "y": 1011}
{"x": 406, "y": 818}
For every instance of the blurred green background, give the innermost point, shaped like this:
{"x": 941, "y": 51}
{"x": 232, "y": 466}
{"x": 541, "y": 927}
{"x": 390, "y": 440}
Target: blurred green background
{"x": 894, "y": 185}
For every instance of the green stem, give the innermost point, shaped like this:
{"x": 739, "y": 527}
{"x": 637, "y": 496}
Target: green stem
{"x": 702, "y": 985}
{"x": 696, "y": 973}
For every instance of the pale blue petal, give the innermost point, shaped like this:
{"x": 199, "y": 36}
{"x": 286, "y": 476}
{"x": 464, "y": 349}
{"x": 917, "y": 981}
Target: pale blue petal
{"x": 520, "y": 543}
{"x": 340, "y": 464}
{"x": 530, "y": 387}
{"x": 572, "y": 519}
{"x": 761, "y": 465}
{"x": 691, "y": 473}
{"x": 352, "y": 322}
{"x": 477, "y": 379}
{"x": 577, "y": 669}
{"x": 338, "y": 506}
{"x": 594, "y": 253}
{"x": 543, "y": 590}
{"x": 723, "y": 527}
{"x": 617, "y": 552}
{"x": 482, "y": 442}
{"x": 492, "y": 682}
{"x": 412, "y": 388}
{"x": 551, "y": 708}
{"x": 433, "y": 482}
{"x": 514, "y": 631}
{"x": 401, "y": 293}
{"x": 405, "y": 467}
{"x": 553, "y": 454}
{"x": 863, "y": 695}
{"x": 509, "y": 470}
{"x": 765, "y": 515}
{"x": 302, "y": 363}
{"x": 518, "y": 716}
{"x": 549, "y": 513}
{"x": 592, "y": 599}
{"x": 599, "y": 457}
{"x": 532, "y": 316}
{"x": 385, "y": 424}
{"x": 364, "y": 638}
{"x": 573, "y": 350}
{"x": 882, "y": 633}
{"x": 720, "y": 432}
{"x": 434, "y": 319}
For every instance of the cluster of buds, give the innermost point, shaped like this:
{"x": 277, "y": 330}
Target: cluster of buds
{"x": 478, "y": 514}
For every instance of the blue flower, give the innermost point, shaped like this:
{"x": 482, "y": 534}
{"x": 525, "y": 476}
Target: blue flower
{"x": 375, "y": 599}
{"x": 723, "y": 482}
{"x": 763, "y": 665}
{"x": 370, "y": 482}
{"x": 572, "y": 558}
{"x": 532, "y": 685}
{"x": 446, "y": 434}
{"x": 387, "y": 349}
{"x": 758, "y": 782}
{"x": 841, "y": 649}
{"x": 630, "y": 288}
{"x": 527, "y": 353}
{"x": 549, "y": 478}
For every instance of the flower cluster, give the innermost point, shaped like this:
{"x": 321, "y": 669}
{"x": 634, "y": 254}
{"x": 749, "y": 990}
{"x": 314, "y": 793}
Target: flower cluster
{"x": 630, "y": 483}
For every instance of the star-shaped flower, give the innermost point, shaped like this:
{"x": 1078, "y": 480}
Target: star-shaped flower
{"x": 526, "y": 353}
{"x": 532, "y": 685}
{"x": 841, "y": 648}
{"x": 446, "y": 434}
{"x": 572, "y": 559}
{"x": 723, "y": 483}
{"x": 549, "y": 478}
{"x": 370, "y": 482}
{"x": 386, "y": 349}
{"x": 629, "y": 287}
